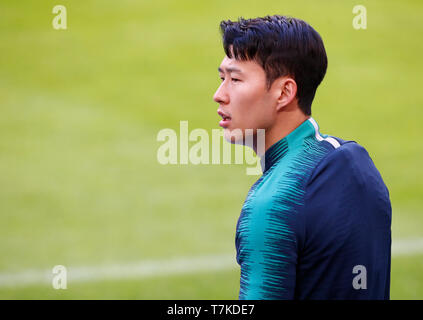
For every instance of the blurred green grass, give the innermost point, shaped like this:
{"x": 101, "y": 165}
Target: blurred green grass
{"x": 81, "y": 109}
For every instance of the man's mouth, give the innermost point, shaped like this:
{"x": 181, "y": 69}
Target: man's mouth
{"x": 226, "y": 119}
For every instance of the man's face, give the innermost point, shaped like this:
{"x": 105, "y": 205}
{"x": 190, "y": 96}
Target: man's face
{"x": 244, "y": 101}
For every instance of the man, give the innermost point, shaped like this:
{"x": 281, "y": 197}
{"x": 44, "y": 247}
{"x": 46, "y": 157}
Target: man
{"x": 317, "y": 224}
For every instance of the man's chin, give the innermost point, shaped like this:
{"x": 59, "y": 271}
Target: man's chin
{"x": 253, "y": 138}
{"x": 235, "y": 136}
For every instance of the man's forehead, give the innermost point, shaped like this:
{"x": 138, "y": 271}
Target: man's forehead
{"x": 228, "y": 64}
{"x": 233, "y": 65}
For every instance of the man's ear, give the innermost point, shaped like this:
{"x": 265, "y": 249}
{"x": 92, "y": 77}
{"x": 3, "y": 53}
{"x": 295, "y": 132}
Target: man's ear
{"x": 287, "y": 92}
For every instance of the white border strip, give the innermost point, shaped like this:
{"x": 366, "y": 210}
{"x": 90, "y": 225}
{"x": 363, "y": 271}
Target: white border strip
{"x": 160, "y": 268}
{"x": 331, "y": 140}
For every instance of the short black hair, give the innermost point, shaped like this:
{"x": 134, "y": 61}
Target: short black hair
{"x": 282, "y": 46}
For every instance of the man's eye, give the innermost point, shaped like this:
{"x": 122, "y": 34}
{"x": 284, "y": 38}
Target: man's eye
{"x": 232, "y": 79}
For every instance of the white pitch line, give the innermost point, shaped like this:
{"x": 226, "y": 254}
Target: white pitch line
{"x": 158, "y": 268}
{"x": 143, "y": 269}
{"x": 406, "y": 247}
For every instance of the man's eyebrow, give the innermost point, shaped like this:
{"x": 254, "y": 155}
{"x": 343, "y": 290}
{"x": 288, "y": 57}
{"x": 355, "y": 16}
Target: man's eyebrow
{"x": 229, "y": 70}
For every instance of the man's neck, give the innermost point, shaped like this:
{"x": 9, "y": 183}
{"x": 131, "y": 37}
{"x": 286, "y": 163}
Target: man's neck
{"x": 287, "y": 122}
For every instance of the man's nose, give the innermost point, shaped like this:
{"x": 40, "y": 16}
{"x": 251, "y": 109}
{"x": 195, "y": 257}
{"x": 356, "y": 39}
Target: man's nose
{"x": 220, "y": 95}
